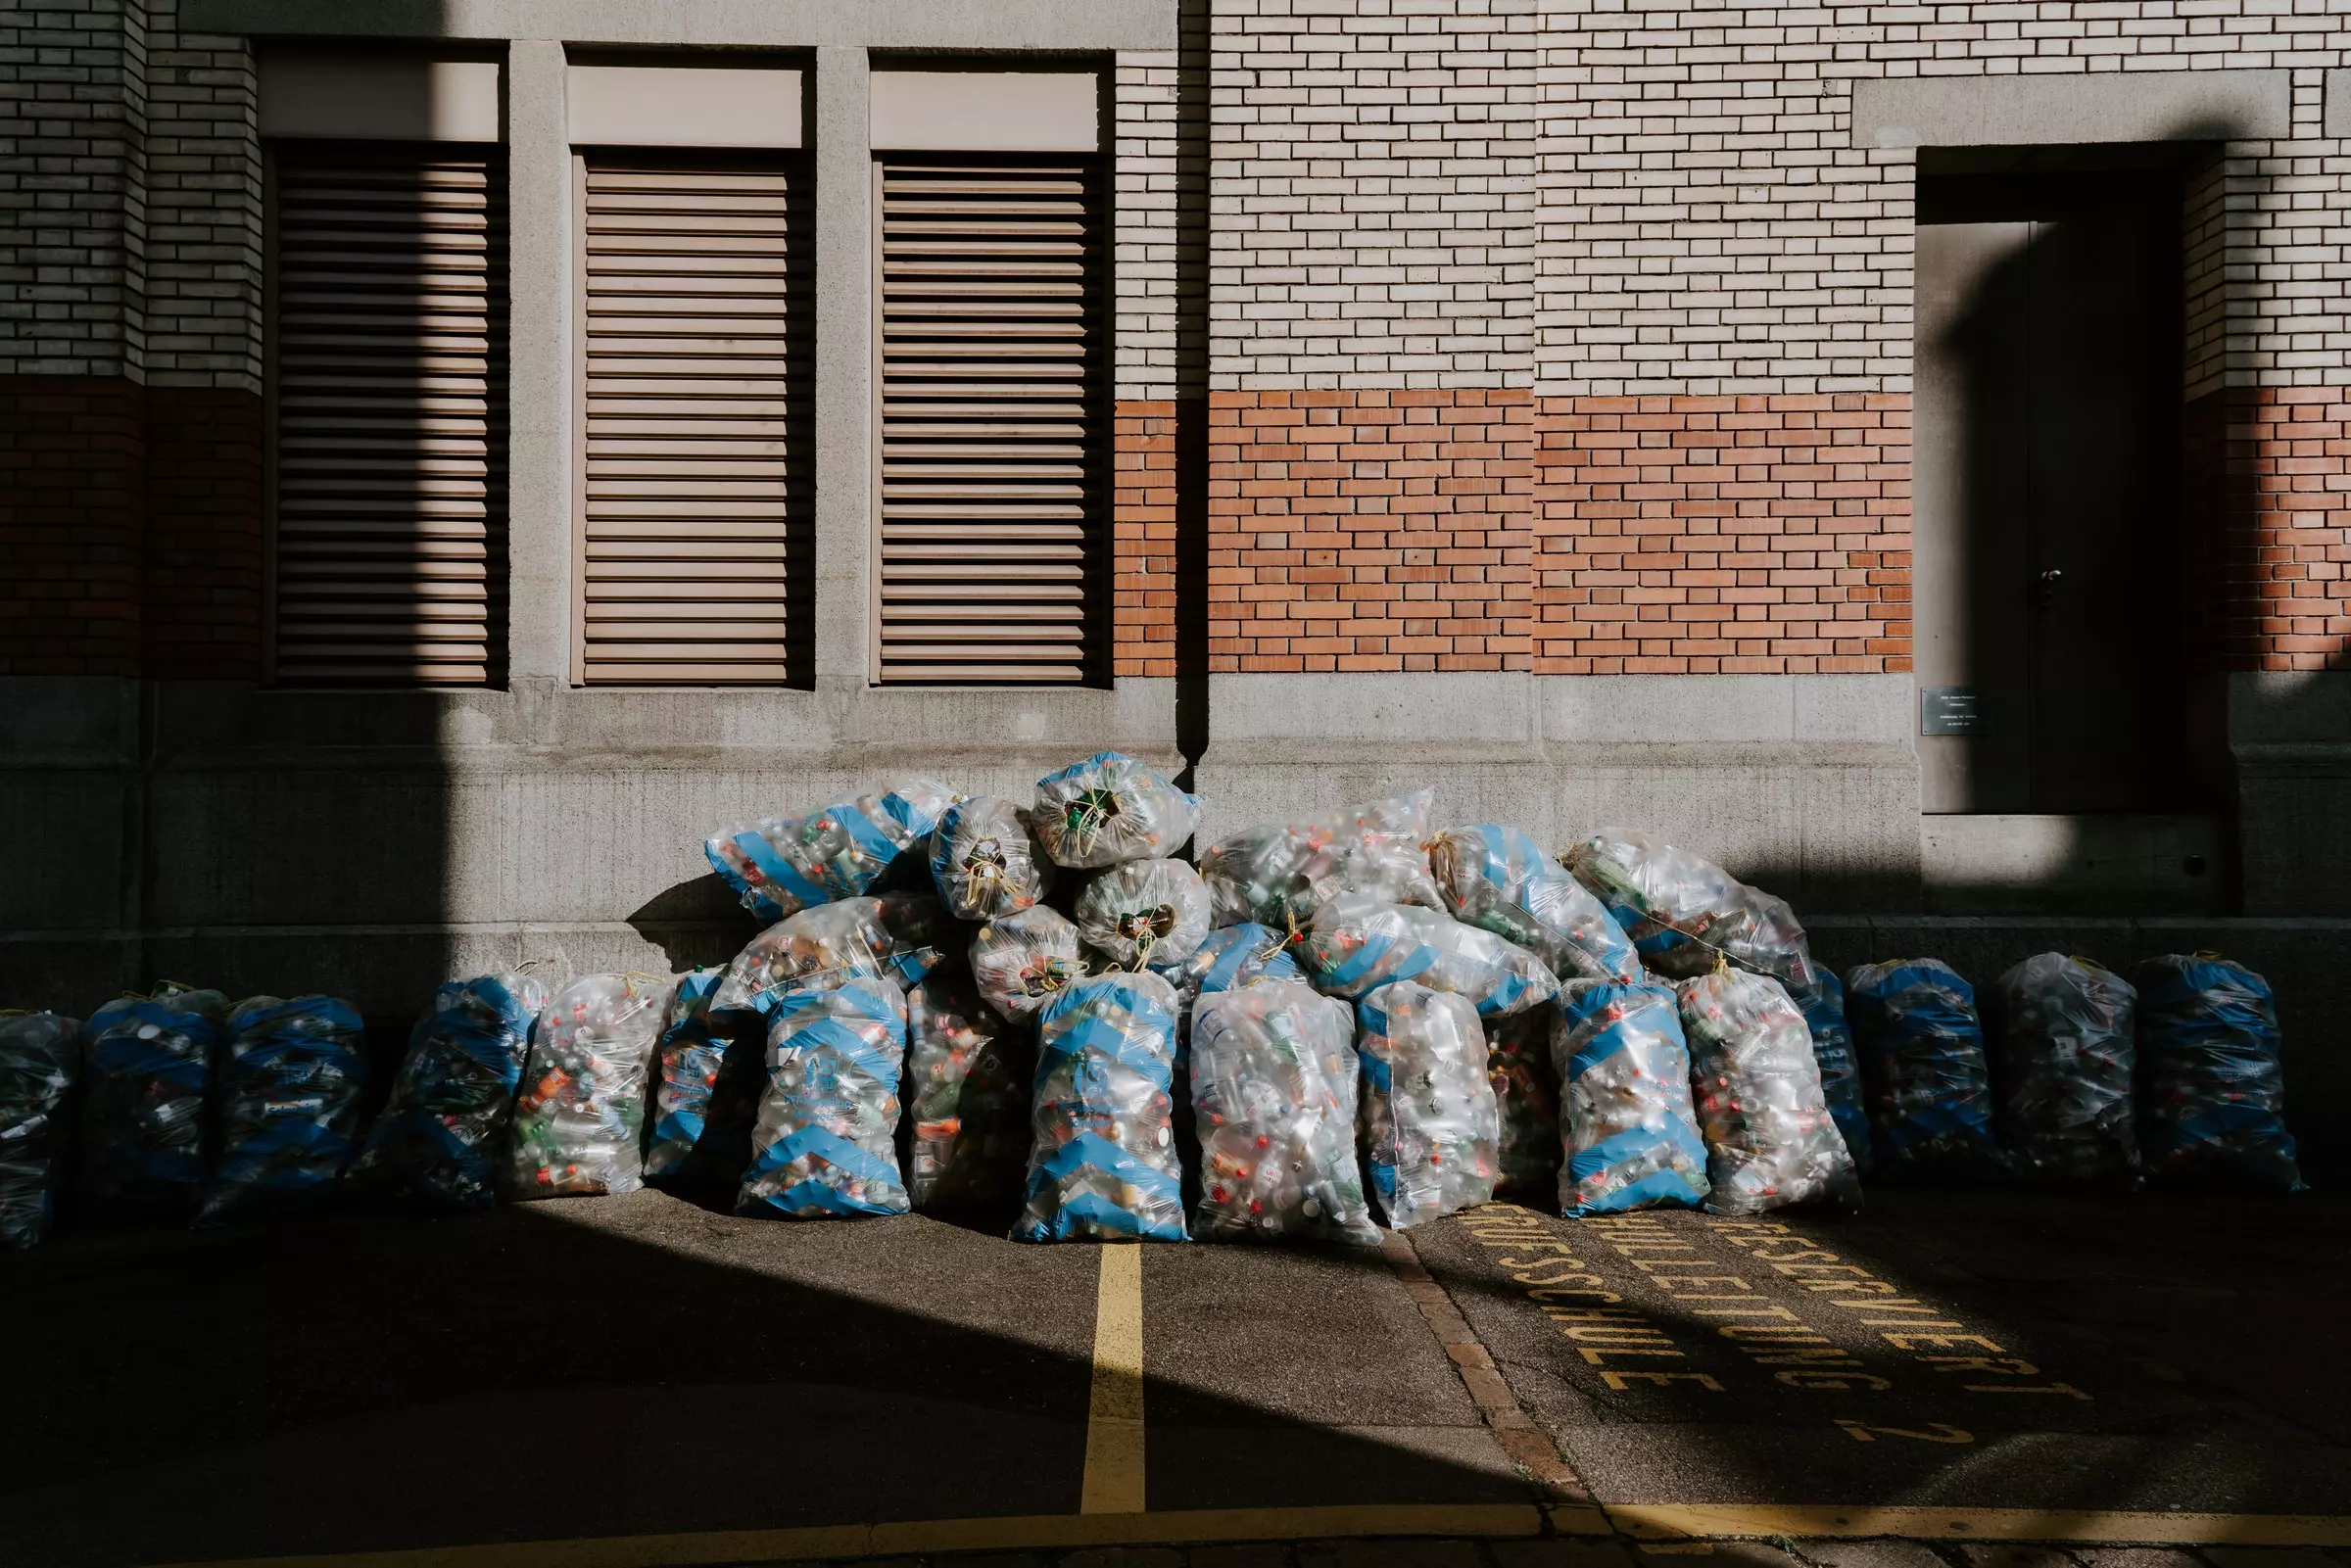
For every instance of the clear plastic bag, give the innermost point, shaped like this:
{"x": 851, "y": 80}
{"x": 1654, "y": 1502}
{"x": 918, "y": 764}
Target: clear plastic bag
{"x": 454, "y": 1094}
{"x": 985, "y": 862}
{"x": 826, "y": 1145}
{"x": 578, "y": 1119}
{"x": 1358, "y": 945}
{"x": 1626, "y": 1126}
{"x": 705, "y": 1094}
{"x": 1526, "y": 1094}
{"x": 1499, "y": 879}
{"x": 1144, "y": 911}
{"x": 2212, "y": 1098}
{"x": 919, "y": 935}
{"x": 292, "y": 1082}
{"x": 1103, "y": 1159}
{"x": 1024, "y": 961}
{"x": 40, "y": 1057}
{"x": 1228, "y": 957}
{"x": 1273, "y": 1092}
{"x": 1922, "y": 1060}
{"x": 2062, "y": 1052}
{"x": 1431, "y": 1131}
{"x": 901, "y": 937}
{"x": 1681, "y": 909}
{"x": 780, "y": 866}
{"x": 1823, "y": 1005}
{"x": 147, "y": 1064}
{"x": 1109, "y": 808}
{"x": 1282, "y": 874}
{"x": 1770, "y": 1140}
{"x": 968, "y": 1077}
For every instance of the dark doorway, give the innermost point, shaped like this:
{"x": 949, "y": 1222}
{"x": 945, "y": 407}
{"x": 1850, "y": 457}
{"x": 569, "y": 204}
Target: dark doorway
{"x": 2049, "y": 592}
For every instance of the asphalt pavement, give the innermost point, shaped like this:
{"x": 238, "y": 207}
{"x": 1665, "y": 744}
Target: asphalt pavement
{"x": 637, "y": 1379}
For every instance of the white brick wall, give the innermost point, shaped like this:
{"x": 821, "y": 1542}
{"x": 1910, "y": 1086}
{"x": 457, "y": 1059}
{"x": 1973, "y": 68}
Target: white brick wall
{"x": 1143, "y": 179}
{"x": 1372, "y": 200}
{"x": 70, "y": 186}
{"x": 204, "y": 208}
{"x": 130, "y": 197}
{"x": 1705, "y": 225}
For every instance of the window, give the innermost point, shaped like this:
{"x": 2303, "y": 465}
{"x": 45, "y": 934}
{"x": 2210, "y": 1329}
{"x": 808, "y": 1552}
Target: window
{"x": 993, "y": 529}
{"x": 696, "y": 498}
{"x": 387, "y": 372}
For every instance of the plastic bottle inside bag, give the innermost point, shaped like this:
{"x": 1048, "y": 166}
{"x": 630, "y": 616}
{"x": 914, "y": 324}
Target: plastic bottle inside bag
{"x": 1627, "y": 1128}
{"x": 454, "y": 1094}
{"x": 147, "y": 1064}
{"x": 291, "y": 1085}
{"x": 1923, "y": 1065}
{"x": 579, "y": 1117}
{"x": 1499, "y": 879}
{"x": 1280, "y": 874}
{"x": 1110, "y": 808}
{"x": 968, "y": 1077}
{"x": 41, "y": 1059}
{"x": 1022, "y": 960}
{"x": 1142, "y": 912}
{"x": 825, "y": 1146}
{"x": 1681, "y": 909}
{"x": 2212, "y": 1103}
{"x": 779, "y": 865}
{"x": 1527, "y": 1096}
{"x": 1430, "y": 1129}
{"x": 1102, "y": 1161}
{"x": 2063, "y": 1049}
{"x": 1273, "y": 1095}
{"x": 985, "y": 862}
{"x": 1359, "y": 944}
{"x": 1770, "y": 1140}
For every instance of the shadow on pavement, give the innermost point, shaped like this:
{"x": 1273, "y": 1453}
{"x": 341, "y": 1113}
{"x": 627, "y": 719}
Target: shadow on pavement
{"x": 636, "y": 1364}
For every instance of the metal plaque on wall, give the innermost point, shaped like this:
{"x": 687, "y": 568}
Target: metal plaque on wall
{"x": 1951, "y": 710}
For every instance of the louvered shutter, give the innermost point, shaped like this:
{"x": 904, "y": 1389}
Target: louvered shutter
{"x": 388, "y": 366}
{"x": 995, "y": 421}
{"x": 696, "y": 560}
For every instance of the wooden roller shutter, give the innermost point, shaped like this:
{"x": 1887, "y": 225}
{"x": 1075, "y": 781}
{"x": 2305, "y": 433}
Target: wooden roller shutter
{"x": 696, "y": 504}
{"x": 388, "y": 370}
{"x": 993, "y": 531}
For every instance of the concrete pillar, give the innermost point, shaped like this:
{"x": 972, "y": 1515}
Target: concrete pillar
{"x": 539, "y": 409}
{"x": 843, "y": 371}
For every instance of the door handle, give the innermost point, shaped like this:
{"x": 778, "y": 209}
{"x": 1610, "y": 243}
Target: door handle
{"x": 2048, "y": 583}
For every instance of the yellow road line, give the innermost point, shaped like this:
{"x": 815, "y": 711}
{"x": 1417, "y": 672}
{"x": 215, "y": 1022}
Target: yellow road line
{"x": 1057, "y": 1531}
{"x": 1676, "y": 1520}
{"x": 1113, "y": 1421}
{"x": 1034, "y": 1531}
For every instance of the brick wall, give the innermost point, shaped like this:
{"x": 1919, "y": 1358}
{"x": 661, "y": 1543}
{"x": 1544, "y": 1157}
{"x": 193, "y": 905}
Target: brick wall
{"x": 1373, "y": 212}
{"x": 201, "y": 606}
{"x": 2273, "y": 465}
{"x": 1368, "y": 530}
{"x": 72, "y": 455}
{"x": 1143, "y": 586}
{"x": 1722, "y": 534}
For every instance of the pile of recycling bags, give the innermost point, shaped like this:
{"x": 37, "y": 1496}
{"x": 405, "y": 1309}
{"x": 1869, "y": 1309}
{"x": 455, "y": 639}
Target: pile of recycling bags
{"x": 1033, "y": 1007}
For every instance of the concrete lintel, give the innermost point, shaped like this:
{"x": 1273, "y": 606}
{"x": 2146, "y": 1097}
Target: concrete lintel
{"x": 2186, "y": 106}
{"x": 989, "y": 25}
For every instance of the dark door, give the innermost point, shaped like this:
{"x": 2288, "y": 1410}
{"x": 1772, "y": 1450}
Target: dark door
{"x": 2048, "y": 501}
